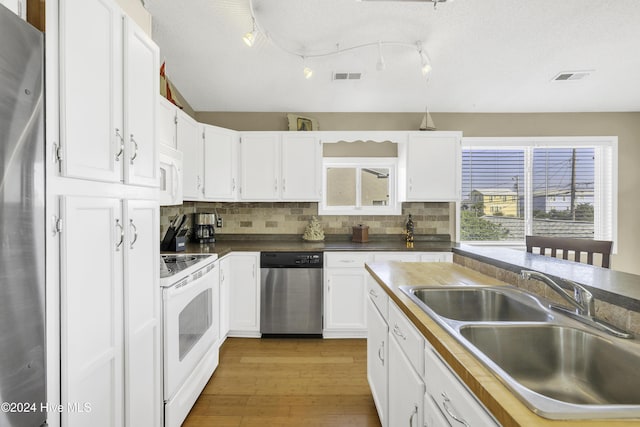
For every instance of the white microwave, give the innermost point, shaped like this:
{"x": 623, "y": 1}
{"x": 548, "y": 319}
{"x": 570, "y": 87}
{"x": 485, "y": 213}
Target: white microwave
{"x": 170, "y": 176}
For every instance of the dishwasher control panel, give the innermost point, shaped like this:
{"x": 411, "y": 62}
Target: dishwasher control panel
{"x": 291, "y": 260}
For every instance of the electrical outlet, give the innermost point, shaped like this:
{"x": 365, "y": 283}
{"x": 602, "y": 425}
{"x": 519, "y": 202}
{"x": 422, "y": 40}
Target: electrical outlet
{"x": 219, "y": 222}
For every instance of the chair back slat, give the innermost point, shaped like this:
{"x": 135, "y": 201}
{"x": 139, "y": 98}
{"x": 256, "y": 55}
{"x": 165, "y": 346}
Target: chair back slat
{"x": 566, "y": 245}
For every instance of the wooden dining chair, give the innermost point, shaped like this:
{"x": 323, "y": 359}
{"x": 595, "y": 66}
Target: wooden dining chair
{"x": 566, "y": 245}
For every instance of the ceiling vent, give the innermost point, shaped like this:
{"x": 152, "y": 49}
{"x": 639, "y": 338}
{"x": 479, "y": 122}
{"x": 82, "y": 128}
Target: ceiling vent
{"x": 572, "y": 75}
{"x": 347, "y": 76}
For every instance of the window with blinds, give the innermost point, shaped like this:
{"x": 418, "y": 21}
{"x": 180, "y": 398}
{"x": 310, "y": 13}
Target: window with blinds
{"x": 564, "y": 187}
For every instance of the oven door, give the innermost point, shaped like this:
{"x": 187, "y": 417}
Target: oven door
{"x": 189, "y": 328}
{"x": 170, "y": 176}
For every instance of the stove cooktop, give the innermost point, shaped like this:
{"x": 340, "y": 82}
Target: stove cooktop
{"x": 171, "y": 265}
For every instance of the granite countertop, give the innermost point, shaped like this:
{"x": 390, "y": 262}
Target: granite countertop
{"x": 615, "y": 287}
{"x": 500, "y": 401}
{"x": 294, "y": 243}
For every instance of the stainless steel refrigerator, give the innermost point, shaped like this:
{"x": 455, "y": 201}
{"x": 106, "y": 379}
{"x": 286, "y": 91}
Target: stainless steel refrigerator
{"x": 22, "y": 224}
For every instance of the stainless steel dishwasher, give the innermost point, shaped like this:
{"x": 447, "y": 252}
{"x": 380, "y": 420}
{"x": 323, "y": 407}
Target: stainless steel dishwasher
{"x": 291, "y": 293}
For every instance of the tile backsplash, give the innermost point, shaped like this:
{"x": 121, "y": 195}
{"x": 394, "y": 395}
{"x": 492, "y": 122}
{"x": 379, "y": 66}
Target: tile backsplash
{"x": 292, "y": 218}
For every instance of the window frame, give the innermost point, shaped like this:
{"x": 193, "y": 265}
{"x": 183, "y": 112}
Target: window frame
{"x": 605, "y": 176}
{"x": 359, "y": 163}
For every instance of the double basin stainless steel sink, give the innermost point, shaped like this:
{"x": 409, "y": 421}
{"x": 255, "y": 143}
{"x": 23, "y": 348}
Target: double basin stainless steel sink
{"x": 560, "y": 368}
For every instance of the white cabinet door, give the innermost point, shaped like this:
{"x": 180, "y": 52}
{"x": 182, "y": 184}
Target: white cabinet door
{"x": 189, "y": 140}
{"x": 220, "y": 160}
{"x": 345, "y": 296}
{"x": 166, "y": 124}
{"x": 260, "y": 166}
{"x": 19, "y": 7}
{"x": 225, "y": 285}
{"x": 244, "y": 307}
{"x": 433, "y": 165}
{"x": 91, "y": 118}
{"x": 142, "y": 333}
{"x": 91, "y": 298}
{"x": 141, "y": 82}
{"x": 458, "y": 405}
{"x": 301, "y": 158}
{"x": 406, "y": 389}
{"x": 377, "y": 359}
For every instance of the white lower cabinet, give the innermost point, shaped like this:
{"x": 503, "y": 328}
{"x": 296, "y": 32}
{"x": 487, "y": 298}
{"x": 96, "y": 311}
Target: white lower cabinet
{"x": 110, "y": 312}
{"x": 377, "y": 359}
{"x": 455, "y": 402}
{"x": 433, "y": 416}
{"x": 413, "y": 256}
{"x": 406, "y": 389}
{"x": 345, "y": 290}
{"x": 244, "y": 294}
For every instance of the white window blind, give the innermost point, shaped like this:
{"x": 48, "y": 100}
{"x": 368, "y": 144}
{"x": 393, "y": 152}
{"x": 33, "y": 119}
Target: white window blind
{"x": 562, "y": 187}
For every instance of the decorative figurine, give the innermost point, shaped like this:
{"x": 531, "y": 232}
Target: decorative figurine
{"x": 314, "y": 231}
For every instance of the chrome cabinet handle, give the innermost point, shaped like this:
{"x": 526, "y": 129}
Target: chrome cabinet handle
{"x": 413, "y": 414}
{"x": 348, "y": 261}
{"x": 118, "y": 225}
{"x": 233, "y": 184}
{"x": 373, "y": 293}
{"x": 284, "y": 185}
{"x": 381, "y": 352}
{"x": 135, "y": 149}
{"x": 119, "y": 153}
{"x": 398, "y": 332}
{"x": 446, "y": 403}
{"x": 135, "y": 233}
{"x": 275, "y": 184}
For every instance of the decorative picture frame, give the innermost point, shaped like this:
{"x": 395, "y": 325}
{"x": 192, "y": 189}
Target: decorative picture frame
{"x": 302, "y": 123}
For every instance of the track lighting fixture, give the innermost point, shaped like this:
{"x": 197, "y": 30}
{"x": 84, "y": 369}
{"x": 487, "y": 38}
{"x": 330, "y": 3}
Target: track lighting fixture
{"x": 250, "y": 38}
{"x": 425, "y": 63}
{"x": 308, "y": 72}
{"x": 380, "y": 65}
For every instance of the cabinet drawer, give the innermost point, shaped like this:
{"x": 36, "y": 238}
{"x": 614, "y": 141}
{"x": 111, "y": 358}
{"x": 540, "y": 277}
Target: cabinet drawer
{"x": 379, "y": 297}
{"x": 436, "y": 257}
{"x": 397, "y": 256}
{"x": 346, "y": 259}
{"x": 407, "y": 336}
{"x": 456, "y": 402}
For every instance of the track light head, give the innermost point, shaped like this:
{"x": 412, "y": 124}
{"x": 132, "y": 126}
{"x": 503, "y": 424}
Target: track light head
{"x": 308, "y": 73}
{"x": 250, "y": 38}
{"x": 380, "y": 65}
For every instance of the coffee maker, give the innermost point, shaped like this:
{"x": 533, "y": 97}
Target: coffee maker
{"x": 203, "y": 227}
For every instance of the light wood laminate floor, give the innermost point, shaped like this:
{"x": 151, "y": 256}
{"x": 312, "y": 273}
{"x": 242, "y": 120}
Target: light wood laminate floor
{"x": 287, "y": 382}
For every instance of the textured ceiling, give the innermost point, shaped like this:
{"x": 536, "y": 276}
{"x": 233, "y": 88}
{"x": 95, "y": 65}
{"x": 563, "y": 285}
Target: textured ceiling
{"x": 487, "y": 56}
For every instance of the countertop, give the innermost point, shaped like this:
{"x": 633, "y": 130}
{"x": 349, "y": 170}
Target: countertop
{"x": 614, "y": 287}
{"x": 502, "y": 403}
{"x": 294, "y": 243}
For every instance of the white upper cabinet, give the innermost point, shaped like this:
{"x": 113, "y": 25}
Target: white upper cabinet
{"x": 189, "y": 140}
{"x": 167, "y": 122}
{"x": 91, "y": 128}
{"x": 260, "y": 167}
{"x": 301, "y": 159}
{"x": 221, "y": 164}
{"x": 280, "y": 166}
{"x": 141, "y": 82}
{"x": 19, "y": 7}
{"x": 433, "y": 166}
{"x": 108, "y": 67}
